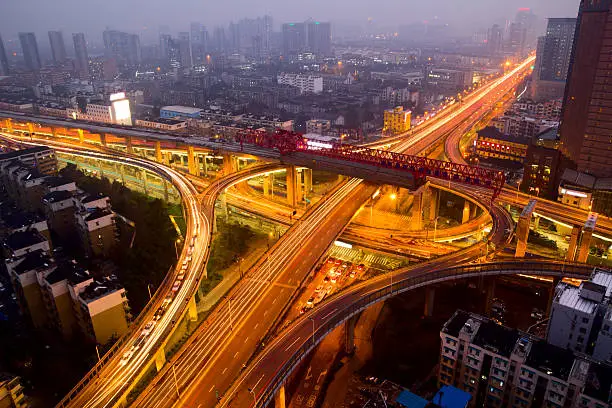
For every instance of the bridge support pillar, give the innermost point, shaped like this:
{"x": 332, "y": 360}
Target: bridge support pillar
{"x": 585, "y": 245}
{"x": 81, "y": 135}
{"x": 536, "y": 222}
{"x": 434, "y": 201}
{"x": 223, "y": 200}
{"x": 103, "y": 139}
{"x": 229, "y": 164}
{"x": 291, "y": 186}
{"x": 193, "y": 309}
{"x": 268, "y": 184}
{"x": 307, "y": 181}
{"x": 191, "y": 161}
{"x": 430, "y": 294}
{"x": 349, "y": 334}
{"x": 158, "y": 153}
{"x": 8, "y": 123}
{"x": 573, "y": 244}
{"x": 416, "y": 215}
{"x": 522, "y": 233}
{"x": 160, "y": 359}
{"x": 473, "y": 211}
{"x": 128, "y": 145}
{"x": 279, "y": 397}
{"x": 466, "y": 212}
{"x": 299, "y": 192}
{"x": 145, "y": 186}
{"x": 30, "y": 128}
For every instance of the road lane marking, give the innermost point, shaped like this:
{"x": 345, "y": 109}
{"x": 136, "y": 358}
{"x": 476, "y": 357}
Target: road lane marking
{"x": 327, "y": 315}
{"x": 236, "y": 355}
{"x": 247, "y": 339}
{"x": 211, "y": 389}
{"x": 224, "y": 370}
{"x": 292, "y": 344}
{"x": 255, "y": 328}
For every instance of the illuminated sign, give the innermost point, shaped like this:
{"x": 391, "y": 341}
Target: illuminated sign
{"x": 117, "y": 96}
{"x": 573, "y": 193}
{"x": 122, "y": 113}
{"x": 319, "y": 145}
{"x": 343, "y": 244}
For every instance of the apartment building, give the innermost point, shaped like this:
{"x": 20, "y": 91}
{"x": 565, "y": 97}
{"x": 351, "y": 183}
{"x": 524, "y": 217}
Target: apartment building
{"x": 308, "y": 84}
{"x": 11, "y": 392}
{"x": 503, "y": 367}
{"x": 41, "y": 157}
{"x": 580, "y": 317}
{"x": 59, "y": 210}
{"x": 95, "y": 224}
{"x": 396, "y": 121}
{"x": 168, "y": 125}
{"x": 23, "y": 221}
{"x": 518, "y": 125}
{"x": 318, "y": 126}
{"x": 493, "y": 144}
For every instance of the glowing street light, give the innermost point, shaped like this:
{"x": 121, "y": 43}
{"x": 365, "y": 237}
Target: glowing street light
{"x": 393, "y": 196}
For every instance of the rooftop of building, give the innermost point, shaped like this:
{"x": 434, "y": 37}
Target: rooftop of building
{"x": 454, "y": 325}
{"x": 33, "y": 173}
{"x": 56, "y": 196}
{"x": 578, "y": 179}
{"x": 99, "y": 288}
{"x": 18, "y": 153}
{"x": 88, "y": 198}
{"x": 599, "y": 382}
{"x": 57, "y": 181}
{"x": 165, "y": 121}
{"x": 496, "y": 338}
{"x": 603, "y": 277}
{"x": 187, "y": 110}
{"x": 23, "y": 239}
{"x": 549, "y": 359}
{"x": 451, "y": 397}
{"x": 33, "y": 261}
{"x": 70, "y": 271}
{"x": 22, "y": 219}
{"x": 569, "y": 296}
{"x": 491, "y": 132}
{"x": 97, "y": 213}
{"x": 548, "y": 134}
{"x": 410, "y": 400}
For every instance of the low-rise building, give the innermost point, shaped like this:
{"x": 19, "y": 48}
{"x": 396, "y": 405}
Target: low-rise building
{"x": 21, "y": 243}
{"x": 318, "y": 126}
{"x": 165, "y": 124}
{"x": 41, "y": 157}
{"x": 59, "y": 210}
{"x": 23, "y": 221}
{"x": 493, "y": 144}
{"x": 449, "y": 80}
{"x": 308, "y": 84}
{"x": 97, "y": 230}
{"x": 519, "y": 125}
{"x": 396, "y": 121}
{"x": 168, "y": 112}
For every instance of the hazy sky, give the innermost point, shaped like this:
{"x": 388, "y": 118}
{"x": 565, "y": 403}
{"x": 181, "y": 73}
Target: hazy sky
{"x": 145, "y": 16}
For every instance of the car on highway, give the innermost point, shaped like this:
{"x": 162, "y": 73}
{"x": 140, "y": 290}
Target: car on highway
{"x": 126, "y": 357}
{"x": 148, "y": 328}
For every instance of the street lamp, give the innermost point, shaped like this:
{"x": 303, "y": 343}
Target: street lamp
{"x": 149, "y": 290}
{"x": 178, "y": 241}
{"x": 435, "y": 228}
{"x": 254, "y": 398}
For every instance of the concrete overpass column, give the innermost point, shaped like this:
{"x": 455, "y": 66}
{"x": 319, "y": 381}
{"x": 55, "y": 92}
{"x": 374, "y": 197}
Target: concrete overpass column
{"x": 585, "y": 245}
{"x": 349, "y": 334}
{"x": 573, "y": 244}
{"x": 279, "y": 397}
{"x": 466, "y": 212}
{"x": 205, "y": 164}
{"x": 267, "y": 185}
{"x": 143, "y": 176}
{"x": 291, "y": 187}
{"x": 307, "y": 181}
{"x": 191, "y": 161}
{"x": 8, "y": 123}
{"x": 536, "y": 222}
{"x": 128, "y": 145}
{"x": 81, "y": 136}
{"x": 103, "y": 139}
{"x": 30, "y": 128}
{"x": 229, "y": 164}
{"x": 158, "y": 152}
{"x": 165, "y": 183}
{"x": 522, "y": 229}
{"x": 299, "y": 192}
{"x": 193, "y": 309}
{"x": 223, "y": 200}
{"x": 160, "y": 359}
{"x": 430, "y": 294}
{"x": 473, "y": 211}
{"x": 417, "y": 211}
{"x": 434, "y": 200}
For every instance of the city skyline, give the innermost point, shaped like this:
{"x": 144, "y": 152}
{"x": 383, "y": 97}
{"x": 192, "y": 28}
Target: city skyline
{"x": 146, "y": 22}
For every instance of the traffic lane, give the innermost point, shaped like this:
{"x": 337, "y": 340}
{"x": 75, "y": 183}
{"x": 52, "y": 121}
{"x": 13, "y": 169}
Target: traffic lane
{"x": 298, "y": 268}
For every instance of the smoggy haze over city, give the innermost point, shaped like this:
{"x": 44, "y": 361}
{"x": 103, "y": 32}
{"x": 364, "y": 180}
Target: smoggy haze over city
{"x": 145, "y": 17}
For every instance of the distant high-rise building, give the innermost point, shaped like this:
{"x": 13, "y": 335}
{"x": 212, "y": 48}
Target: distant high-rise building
{"x": 199, "y": 42}
{"x": 174, "y": 53}
{"x": 495, "y": 37}
{"x": 184, "y": 41}
{"x": 80, "y": 51}
{"x": 294, "y": 39}
{"x": 521, "y": 37}
{"x": 4, "y": 66}
{"x": 219, "y": 41}
{"x": 58, "y": 48}
{"x": 30, "y": 51}
{"x": 587, "y": 113}
{"x": 553, "y": 59}
{"x": 123, "y": 46}
{"x": 318, "y": 38}
{"x": 164, "y": 45}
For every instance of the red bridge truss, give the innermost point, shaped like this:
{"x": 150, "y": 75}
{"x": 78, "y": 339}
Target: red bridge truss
{"x": 419, "y": 167}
